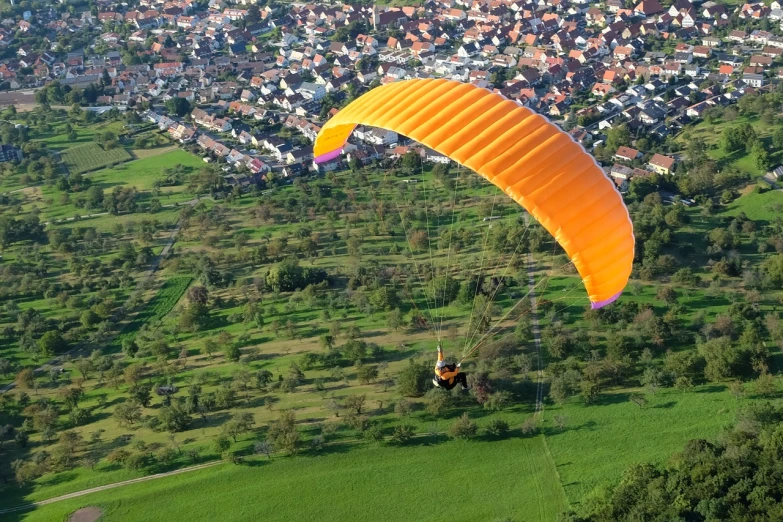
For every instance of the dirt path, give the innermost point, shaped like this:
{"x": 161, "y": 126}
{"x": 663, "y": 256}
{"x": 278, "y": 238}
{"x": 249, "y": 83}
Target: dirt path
{"x": 531, "y": 283}
{"x": 88, "y": 514}
{"x": 33, "y": 505}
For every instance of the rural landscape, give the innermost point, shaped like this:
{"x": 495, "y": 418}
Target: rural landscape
{"x": 198, "y": 321}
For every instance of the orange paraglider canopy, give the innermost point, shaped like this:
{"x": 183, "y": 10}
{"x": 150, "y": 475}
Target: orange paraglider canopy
{"x": 532, "y": 160}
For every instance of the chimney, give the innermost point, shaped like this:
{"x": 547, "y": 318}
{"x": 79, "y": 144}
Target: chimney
{"x": 375, "y": 17}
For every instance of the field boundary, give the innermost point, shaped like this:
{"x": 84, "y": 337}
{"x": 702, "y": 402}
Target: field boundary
{"x": 32, "y": 505}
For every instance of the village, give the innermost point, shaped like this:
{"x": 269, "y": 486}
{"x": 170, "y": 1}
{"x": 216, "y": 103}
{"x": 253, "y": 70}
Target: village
{"x": 244, "y": 72}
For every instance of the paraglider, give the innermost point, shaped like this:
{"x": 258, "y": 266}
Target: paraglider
{"x": 447, "y": 376}
{"x": 529, "y": 158}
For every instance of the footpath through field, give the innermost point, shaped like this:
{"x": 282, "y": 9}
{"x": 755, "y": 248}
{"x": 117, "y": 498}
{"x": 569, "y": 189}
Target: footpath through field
{"x": 83, "y": 492}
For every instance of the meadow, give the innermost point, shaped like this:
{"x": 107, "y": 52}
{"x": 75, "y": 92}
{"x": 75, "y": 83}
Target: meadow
{"x": 491, "y": 480}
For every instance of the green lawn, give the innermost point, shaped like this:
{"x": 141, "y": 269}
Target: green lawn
{"x": 143, "y": 173}
{"x": 758, "y": 207}
{"x": 601, "y": 441}
{"x": 425, "y": 481}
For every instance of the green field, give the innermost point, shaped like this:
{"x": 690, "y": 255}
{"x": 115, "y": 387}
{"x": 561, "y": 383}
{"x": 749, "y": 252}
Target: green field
{"x": 711, "y": 134}
{"x": 509, "y": 479}
{"x": 600, "y": 442}
{"x": 766, "y": 206}
{"x": 57, "y": 139}
{"x": 91, "y": 156}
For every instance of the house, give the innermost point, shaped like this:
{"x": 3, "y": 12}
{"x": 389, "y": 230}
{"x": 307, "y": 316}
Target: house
{"x": 760, "y": 61}
{"x": 9, "y": 153}
{"x": 661, "y": 164}
{"x": 621, "y": 175}
{"x": 627, "y": 154}
{"x": 312, "y": 91}
{"x": 648, "y": 8}
{"x": 753, "y": 76}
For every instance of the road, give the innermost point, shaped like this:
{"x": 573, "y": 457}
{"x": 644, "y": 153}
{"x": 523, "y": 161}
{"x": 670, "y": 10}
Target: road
{"x": 33, "y": 505}
{"x": 531, "y": 283}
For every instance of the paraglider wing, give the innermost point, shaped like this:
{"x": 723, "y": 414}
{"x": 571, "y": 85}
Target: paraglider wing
{"x": 532, "y": 160}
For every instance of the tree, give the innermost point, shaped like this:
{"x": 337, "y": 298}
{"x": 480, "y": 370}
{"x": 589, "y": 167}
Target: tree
{"x": 209, "y": 347}
{"x": 198, "y": 294}
{"x": 283, "y": 432}
{"x": 724, "y": 359}
{"x": 141, "y": 394}
{"x": 463, "y": 428}
{"x": 253, "y": 14}
{"x": 617, "y": 137}
{"x": 71, "y": 397}
{"x": 411, "y": 161}
{"x": 394, "y": 319}
{"x": 51, "y": 343}
{"x": 240, "y": 423}
{"x": 413, "y": 379}
{"x": 355, "y": 350}
{"x": 438, "y": 400}
{"x": 221, "y": 444}
{"x": 263, "y": 448}
{"x": 174, "y": 418}
{"x": 232, "y": 352}
{"x": 403, "y": 408}
{"x": 777, "y": 138}
{"x": 127, "y": 413}
{"x": 178, "y": 106}
{"x": 638, "y": 399}
{"x": 25, "y": 379}
{"x": 761, "y": 156}
{"x": 367, "y": 373}
{"x": 355, "y": 403}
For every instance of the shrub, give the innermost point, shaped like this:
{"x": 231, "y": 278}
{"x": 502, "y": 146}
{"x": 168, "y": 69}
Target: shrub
{"x": 403, "y": 433}
{"x": 497, "y": 427}
{"x": 374, "y": 433}
{"x": 463, "y": 428}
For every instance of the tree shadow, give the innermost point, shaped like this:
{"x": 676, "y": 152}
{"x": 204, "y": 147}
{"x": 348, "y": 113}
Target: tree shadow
{"x": 714, "y": 388}
{"x": 666, "y": 405}
{"x": 59, "y": 478}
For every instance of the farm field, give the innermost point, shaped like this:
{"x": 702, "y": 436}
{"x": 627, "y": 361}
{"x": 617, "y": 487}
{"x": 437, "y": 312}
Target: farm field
{"x": 91, "y": 156}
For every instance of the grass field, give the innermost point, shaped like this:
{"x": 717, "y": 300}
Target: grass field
{"x": 601, "y": 441}
{"x": 91, "y": 156}
{"x": 711, "y": 134}
{"x": 425, "y": 481}
{"x": 143, "y": 173}
{"x": 759, "y": 207}
{"x": 57, "y": 139}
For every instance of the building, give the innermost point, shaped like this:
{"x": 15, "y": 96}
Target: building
{"x": 661, "y": 164}
{"x": 9, "y": 153}
{"x": 627, "y": 154}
